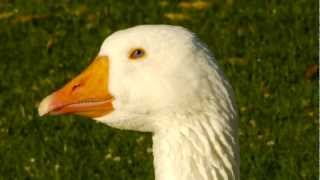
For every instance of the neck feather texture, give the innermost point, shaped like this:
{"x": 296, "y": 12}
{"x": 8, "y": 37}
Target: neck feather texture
{"x": 204, "y": 148}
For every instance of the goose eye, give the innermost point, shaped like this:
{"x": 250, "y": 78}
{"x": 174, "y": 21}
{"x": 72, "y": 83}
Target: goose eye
{"x": 137, "y": 53}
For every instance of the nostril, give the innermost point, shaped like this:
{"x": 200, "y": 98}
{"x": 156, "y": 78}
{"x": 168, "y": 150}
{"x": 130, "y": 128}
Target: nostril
{"x": 76, "y": 86}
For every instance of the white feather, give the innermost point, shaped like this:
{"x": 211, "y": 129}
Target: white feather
{"x": 178, "y": 93}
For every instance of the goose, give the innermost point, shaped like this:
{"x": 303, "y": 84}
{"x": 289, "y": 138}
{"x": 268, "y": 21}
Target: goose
{"x": 160, "y": 79}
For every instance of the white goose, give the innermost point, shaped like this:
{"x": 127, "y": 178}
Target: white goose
{"x": 160, "y": 79}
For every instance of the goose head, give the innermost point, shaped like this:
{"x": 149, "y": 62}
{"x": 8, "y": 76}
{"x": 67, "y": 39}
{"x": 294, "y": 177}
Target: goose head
{"x": 139, "y": 75}
{"x": 160, "y": 79}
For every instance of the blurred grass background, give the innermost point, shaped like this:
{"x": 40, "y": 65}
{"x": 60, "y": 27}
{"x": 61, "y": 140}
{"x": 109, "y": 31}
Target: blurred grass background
{"x": 268, "y": 49}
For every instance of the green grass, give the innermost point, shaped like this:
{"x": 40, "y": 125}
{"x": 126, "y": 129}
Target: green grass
{"x": 264, "y": 48}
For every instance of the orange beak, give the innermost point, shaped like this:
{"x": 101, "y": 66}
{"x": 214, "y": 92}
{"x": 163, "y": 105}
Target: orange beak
{"x": 86, "y": 95}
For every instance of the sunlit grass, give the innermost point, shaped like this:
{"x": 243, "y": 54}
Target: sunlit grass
{"x": 268, "y": 50}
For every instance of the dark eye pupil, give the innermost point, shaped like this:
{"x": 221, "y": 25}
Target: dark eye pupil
{"x": 138, "y": 52}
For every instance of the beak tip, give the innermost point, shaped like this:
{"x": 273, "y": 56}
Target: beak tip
{"x": 41, "y": 113}
{"x": 43, "y": 108}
